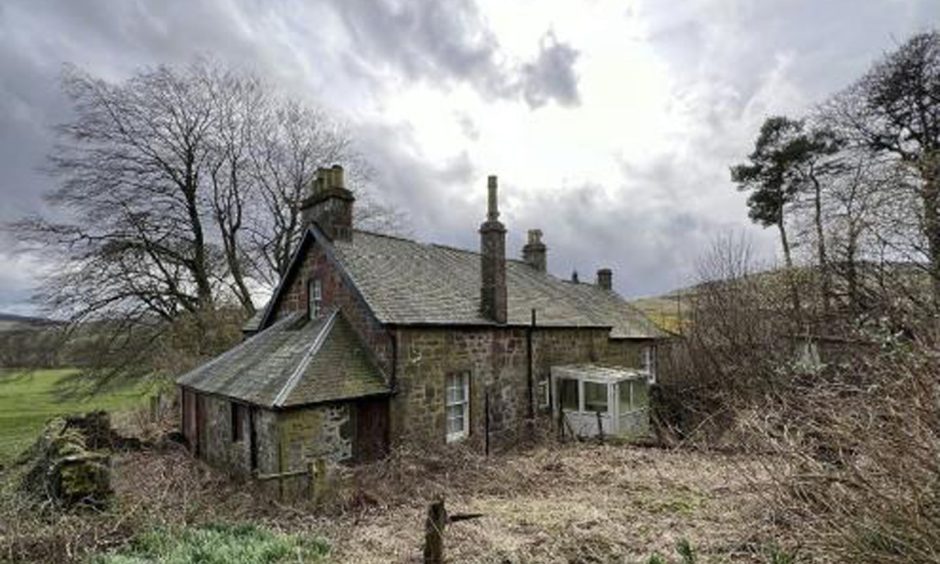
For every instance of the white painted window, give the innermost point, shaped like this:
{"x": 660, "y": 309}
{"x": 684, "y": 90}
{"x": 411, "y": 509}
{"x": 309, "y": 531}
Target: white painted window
{"x": 569, "y": 394}
{"x": 314, "y": 297}
{"x": 595, "y": 397}
{"x": 634, "y": 395}
{"x": 457, "y": 390}
{"x": 648, "y": 362}
{"x": 544, "y": 396}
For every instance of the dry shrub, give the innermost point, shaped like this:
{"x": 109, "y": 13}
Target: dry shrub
{"x": 862, "y": 447}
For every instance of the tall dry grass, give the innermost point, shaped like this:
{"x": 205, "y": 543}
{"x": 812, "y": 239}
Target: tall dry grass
{"x": 853, "y": 428}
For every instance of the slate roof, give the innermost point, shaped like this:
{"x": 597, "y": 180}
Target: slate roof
{"x": 296, "y": 361}
{"x": 254, "y": 322}
{"x": 407, "y": 282}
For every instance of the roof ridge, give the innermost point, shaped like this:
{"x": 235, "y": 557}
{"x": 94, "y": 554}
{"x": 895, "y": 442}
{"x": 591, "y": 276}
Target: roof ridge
{"x": 430, "y": 244}
{"x": 291, "y": 383}
{"x": 263, "y": 334}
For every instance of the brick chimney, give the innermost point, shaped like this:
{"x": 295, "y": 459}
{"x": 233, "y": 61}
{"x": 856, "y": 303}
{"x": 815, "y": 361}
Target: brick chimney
{"x": 330, "y": 204}
{"x": 493, "y": 300}
{"x": 533, "y": 253}
{"x": 605, "y": 279}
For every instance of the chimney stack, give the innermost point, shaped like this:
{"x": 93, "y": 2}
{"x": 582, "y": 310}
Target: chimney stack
{"x": 330, "y": 204}
{"x": 493, "y": 303}
{"x": 533, "y": 253}
{"x": 605, "y": 279}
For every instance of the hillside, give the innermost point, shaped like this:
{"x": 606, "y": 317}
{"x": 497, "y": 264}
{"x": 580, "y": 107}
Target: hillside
{"x": 11, "y": 322}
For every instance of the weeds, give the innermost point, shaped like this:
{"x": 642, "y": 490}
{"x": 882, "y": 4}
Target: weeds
{"x": 218, "y": 544}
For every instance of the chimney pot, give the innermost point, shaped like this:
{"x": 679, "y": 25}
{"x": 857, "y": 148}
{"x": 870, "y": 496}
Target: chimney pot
{"x": 605, "y": 278}
{"x": 534, "y": 251}
{"x": 493, "y": 300}
{"x": 492, "y": 207}
{"x": 329, "y": 204}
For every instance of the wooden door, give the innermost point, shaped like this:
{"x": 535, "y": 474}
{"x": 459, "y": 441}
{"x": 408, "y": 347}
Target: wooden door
{"x": 371, "y": 440}
{"x": 199, "y": 446}
{"x": 189, "y": 418}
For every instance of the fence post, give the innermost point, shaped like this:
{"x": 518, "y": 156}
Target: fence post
{"x": 311, "y": 479}
{"x": 434, "y": 532}
{"x": 486, "y": 421}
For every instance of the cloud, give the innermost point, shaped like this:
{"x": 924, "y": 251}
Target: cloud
{"x": 448, "y": 40}
{"x": 611, "y": 129}
{"x": 551, "y": 75}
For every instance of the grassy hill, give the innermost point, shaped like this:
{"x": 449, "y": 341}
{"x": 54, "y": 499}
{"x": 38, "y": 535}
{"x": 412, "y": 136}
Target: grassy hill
{"x": 10, "y": 322}
{"x": 669, "y": 310}
{"x": 30, "y": 398}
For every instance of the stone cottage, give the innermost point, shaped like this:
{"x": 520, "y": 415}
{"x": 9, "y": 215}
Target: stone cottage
{"x": 372, "y": 342}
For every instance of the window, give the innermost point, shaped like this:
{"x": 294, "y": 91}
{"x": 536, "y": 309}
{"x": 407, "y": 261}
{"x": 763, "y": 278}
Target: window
{"x": 595, "y": 397}
{"x": 568, "y": 394}
{"x": 648, "y": 362}
{"x": 545, "y": 400}
{"x": 634, "y": 395}
{"x": 314, "y": 297}
{"x": 457, "y": 390}
{"x": 238, "y": 422}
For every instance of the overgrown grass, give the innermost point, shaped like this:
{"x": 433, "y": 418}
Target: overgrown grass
{"x": 218, "y": 544}
{"x": 29, "y": 399}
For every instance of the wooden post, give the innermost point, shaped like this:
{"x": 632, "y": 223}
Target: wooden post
{"x": 486, "y": 422}
{"x": 316, "y": 479}
{"x": 311, "y": 479}
{"x": 434, "y": 532}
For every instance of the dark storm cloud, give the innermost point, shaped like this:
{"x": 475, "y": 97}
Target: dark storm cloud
{"x": 448, "y": 40}
{"x": 292, "y": 43}
{"x": 733, "y": 62}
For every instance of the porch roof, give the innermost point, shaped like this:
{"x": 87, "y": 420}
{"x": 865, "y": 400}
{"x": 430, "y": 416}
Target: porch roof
{"x": 597, "y": 372}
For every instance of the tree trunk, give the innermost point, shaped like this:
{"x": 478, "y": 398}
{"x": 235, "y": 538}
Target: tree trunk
{"x": 851, "y": 271}
{"x": 788, "y": 261}
{"x": 821, "y": 249}
{"x": 931, "y": 200}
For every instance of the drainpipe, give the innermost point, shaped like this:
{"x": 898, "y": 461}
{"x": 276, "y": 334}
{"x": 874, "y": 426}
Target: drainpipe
{"x": 529, "y": 372}
{"x": 393, "y": 377}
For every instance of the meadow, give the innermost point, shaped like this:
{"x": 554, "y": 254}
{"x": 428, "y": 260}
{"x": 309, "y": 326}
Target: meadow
{"x": 30, "y": 398}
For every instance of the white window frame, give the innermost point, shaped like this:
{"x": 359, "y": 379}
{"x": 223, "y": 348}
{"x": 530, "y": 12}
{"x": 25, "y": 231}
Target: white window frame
{"x": 464, "y": 376}
{"x": 648, "y": 362}
{"x": 314, "y": 297}
{"x": 545, "y": 399}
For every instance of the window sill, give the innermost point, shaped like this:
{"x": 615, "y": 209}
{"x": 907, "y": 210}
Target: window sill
{"x": 456, "y": 437}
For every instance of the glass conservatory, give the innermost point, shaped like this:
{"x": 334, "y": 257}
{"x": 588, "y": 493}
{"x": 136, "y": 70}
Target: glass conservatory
{"x": 589, "y": 399}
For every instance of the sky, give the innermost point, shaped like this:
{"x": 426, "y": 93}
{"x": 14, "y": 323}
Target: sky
{"x": 611, "y": 125}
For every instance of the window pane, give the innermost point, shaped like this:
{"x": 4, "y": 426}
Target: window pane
{"x": 625, "y": 406}
{"x": 456, "y": 385}
{"x": 568, "y": 392}
{"x": 640, "y": 394}
{"x": 595, "y": 397}
{"x": 455, "y": 415}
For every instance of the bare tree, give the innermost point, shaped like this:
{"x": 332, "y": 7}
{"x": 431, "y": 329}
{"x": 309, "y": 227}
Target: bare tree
{"x": 178, "y": 196}
{"x": 895, "y": 110}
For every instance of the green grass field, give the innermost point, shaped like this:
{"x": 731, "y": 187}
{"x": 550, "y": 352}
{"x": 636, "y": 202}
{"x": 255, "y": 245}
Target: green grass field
{"x": 29, "y": 399}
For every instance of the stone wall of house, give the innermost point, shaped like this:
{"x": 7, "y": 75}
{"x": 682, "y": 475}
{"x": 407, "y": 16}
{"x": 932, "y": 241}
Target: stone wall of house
{"x": 286, "y": 440}
{"x": 324, "y": 431}
{"x": 336, "y": 292}
{"x": 305, "y": 434}
{"x": 217, "y": 446}
{"x": 496, "y": 359}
